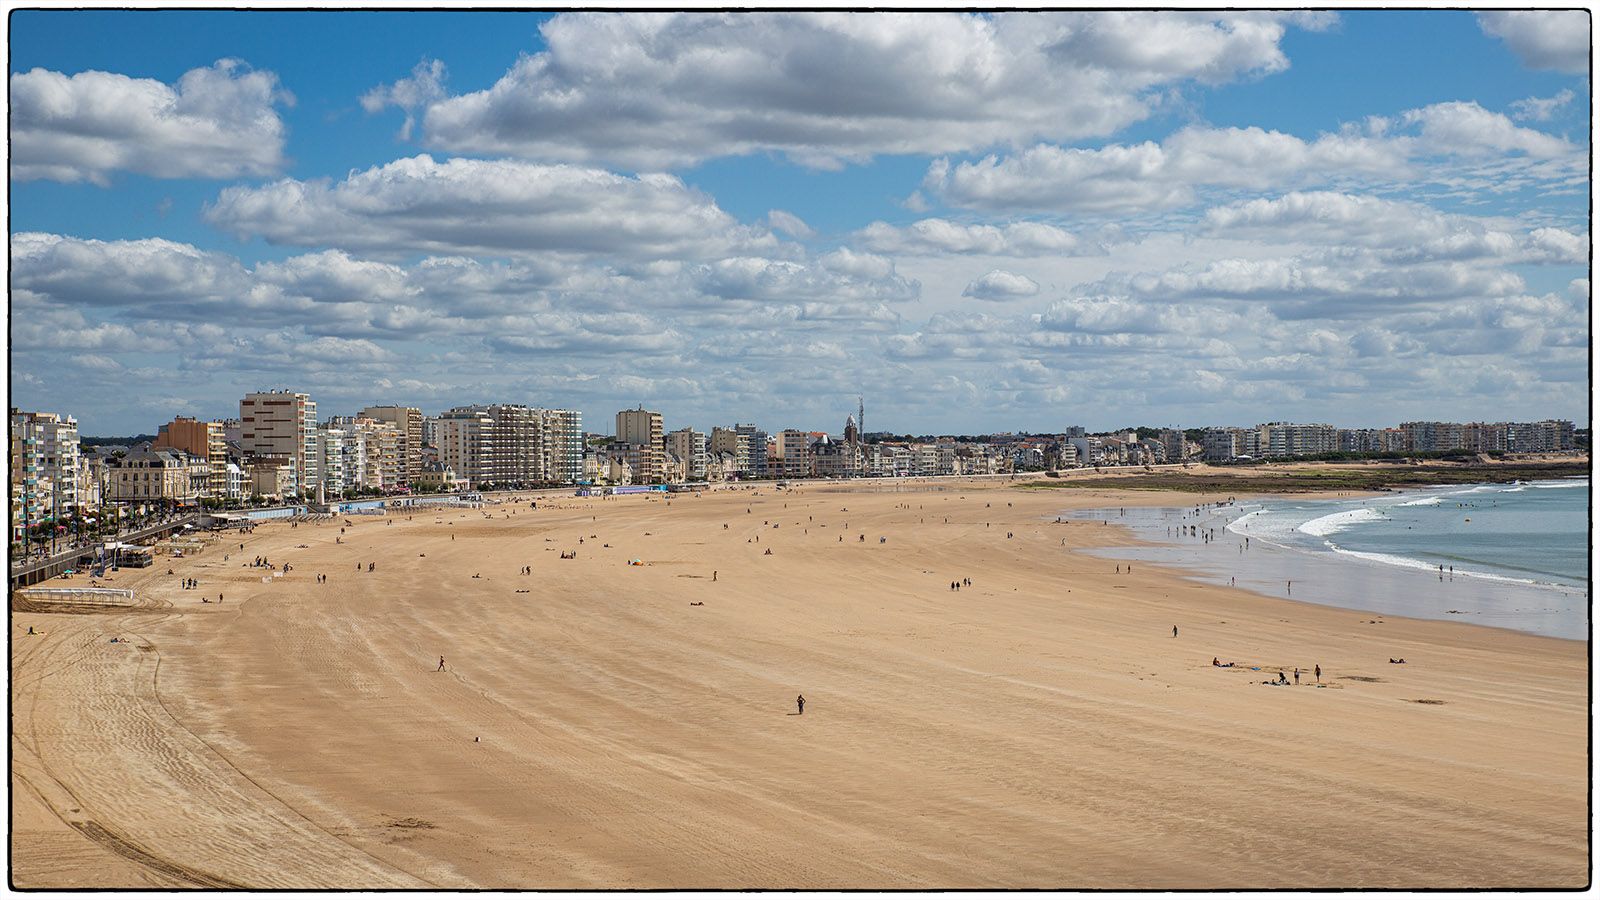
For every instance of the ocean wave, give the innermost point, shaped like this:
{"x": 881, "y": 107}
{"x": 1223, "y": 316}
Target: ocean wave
{"x": 1237, "y": 525}
{"x": 1556, "y": 485}
{"x": 1339, "y": 521}
{"x": 1425, "y": 501}
{"x": 1390, "y": 559}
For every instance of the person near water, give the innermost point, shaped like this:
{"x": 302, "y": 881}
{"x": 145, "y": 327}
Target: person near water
{"x": 800, "y": 702}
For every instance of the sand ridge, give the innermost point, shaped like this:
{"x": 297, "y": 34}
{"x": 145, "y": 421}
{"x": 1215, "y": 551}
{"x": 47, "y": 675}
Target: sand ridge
{"x": 1039, "y": 728}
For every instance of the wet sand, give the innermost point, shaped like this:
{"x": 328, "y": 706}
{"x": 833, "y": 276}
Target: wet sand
{"x": 1332, "y": 579}
{"x": 1040, "y": 728}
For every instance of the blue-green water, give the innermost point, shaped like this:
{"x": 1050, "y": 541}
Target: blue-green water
{"x": 1536, "y": 533}
{"x": 1505, "y": 555}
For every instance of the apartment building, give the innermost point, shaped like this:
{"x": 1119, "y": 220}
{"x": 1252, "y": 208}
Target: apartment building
{"x": 1433, "y": 437}
{"x": 729, "y": 443}
{"x": 407, "y": 423}
{"x": 1291, "y": 439}
{"x": 148, "y": 476}
{"x": 755, "y": 450}
{"x": 563, "y": 445}
{"x": 690, "y": 447}
{"x": 282, "y": 424}
{"x": 206, "y": 440}
{"x": 641, "y": 430}
{"x": 44, "y": 469}
{"x": 794, "y": 456}
{"x": 500, "y": 445}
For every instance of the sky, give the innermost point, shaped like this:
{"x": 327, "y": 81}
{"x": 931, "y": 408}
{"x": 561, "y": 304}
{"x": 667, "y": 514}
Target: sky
{"x": 977, "y": 222}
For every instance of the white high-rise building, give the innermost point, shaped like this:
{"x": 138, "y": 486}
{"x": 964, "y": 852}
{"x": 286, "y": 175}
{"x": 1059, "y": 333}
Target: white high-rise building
{"x": 563, "y": 445}
{"x": 463, "y": 437}
{"x": 500, "y": 445}
{"x": 407, "y": 422}
{"x": 690, "y": 446}
{"x": 359, "y": 453}
{"x": 44, "y": 469}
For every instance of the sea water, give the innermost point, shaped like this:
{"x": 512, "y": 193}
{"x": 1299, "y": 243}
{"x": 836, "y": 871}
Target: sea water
{"x": 1508, "y": 555}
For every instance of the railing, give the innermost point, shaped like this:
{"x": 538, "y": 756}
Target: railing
{"x": 35, "y": 571}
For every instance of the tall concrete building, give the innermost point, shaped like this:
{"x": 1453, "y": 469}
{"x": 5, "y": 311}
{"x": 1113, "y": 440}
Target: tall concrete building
{"x": 44, "y": 469}
{"x": 792, "y": 450}
{"x": 501, "y": 445}
{"x": 690, "y": 446}
{"x": 641, "y": 428}
{"x": 563, "y": 445}
{"x": 735, "y": 445}
{"x": 757, "y": 449}
{"x": 359, "y": 453}
{"x": 1291, "y": 439}
{"x": 407, "y": 422}
{"x": 282, "y": 424}
{"x": 202, "y": 439}
{"x": 462, "y": 436}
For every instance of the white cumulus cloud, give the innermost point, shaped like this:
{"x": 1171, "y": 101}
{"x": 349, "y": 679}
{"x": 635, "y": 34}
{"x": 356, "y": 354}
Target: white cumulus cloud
{"x": 216, "y": 122}
{"x": 941, "y": 236}
{"x": 470, "y": 206}
{"x": 1543, "y": 39}
{"x": 1152, "y": 176}
{"x": 656, "y": 90}
{"x": 1000, "y": 285}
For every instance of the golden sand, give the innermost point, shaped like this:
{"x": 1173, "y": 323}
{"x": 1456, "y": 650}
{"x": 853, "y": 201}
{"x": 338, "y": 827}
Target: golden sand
{"x": 1041, "y": 728}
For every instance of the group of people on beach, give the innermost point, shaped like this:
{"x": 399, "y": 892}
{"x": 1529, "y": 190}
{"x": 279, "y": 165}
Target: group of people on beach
{"x": 1283, "y": 677}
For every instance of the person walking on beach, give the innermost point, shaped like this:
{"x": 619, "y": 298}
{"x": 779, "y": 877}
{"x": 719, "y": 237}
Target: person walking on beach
{"x": 800, "y": 702}
{"x": 1296, "y": 674}
{"x": 1174, "y": 631}
{"x": 1319, "y": 673}
{"x": 441, "y": 665}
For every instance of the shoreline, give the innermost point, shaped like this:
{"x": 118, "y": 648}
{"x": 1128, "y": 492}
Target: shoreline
{"x": 1326, "y": 578}
{"x": 298, "y": 736}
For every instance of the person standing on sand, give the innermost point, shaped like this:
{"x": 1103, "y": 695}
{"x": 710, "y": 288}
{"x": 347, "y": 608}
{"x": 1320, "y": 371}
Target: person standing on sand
{"x": 441, "y": 665}
{"x": 713, "y": 574}
{"x": 1319, "y": 673}
{"x": 1296, "y": 674}
{"x": 1174, "y": 631}
{"x": 800, "y": 702}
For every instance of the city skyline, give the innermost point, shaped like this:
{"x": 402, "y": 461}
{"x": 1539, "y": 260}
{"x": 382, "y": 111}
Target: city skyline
{"x": 981, "y": 223}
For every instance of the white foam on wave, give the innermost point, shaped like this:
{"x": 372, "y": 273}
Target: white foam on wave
{"x": 1425, "y": 501}
{"x": 1407, "y": 562}
{"x": 1554, "y": 485}
{"x": 1237, "y": 526}
{"x": 1339, "y": 521}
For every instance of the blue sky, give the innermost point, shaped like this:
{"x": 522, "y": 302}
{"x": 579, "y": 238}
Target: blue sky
{"x": 1017, "y": 221}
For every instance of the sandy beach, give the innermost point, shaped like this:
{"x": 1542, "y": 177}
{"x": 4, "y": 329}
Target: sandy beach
{"x": 606, "y": 725}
